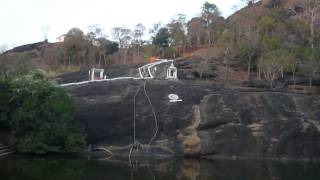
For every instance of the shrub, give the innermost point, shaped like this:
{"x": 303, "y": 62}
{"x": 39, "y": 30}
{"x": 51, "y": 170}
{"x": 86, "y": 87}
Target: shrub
{"x": 40, "y": 115}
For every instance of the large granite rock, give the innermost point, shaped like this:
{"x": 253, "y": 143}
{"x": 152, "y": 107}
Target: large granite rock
{"x": 210, "y": 121}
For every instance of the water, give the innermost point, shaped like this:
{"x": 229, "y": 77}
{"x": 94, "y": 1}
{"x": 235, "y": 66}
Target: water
{"x": 62, "y": 168}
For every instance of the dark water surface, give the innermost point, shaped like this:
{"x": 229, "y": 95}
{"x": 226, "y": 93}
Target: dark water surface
{"x": 62, "y": 168}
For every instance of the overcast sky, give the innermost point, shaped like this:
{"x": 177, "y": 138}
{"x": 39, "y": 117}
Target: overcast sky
{"x": 23, "y": 21}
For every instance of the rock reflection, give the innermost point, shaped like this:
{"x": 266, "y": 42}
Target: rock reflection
{"x": 61, "y": 168}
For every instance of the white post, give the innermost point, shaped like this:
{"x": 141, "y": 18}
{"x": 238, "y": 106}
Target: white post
{"x": 92, "y": 74}
{"x": 101, "y": 74}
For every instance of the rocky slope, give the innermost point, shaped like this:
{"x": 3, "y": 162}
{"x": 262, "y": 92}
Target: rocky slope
{"x": 211, "y": 120}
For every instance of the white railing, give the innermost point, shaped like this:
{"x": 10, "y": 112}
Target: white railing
{"x": 148, "y": 66}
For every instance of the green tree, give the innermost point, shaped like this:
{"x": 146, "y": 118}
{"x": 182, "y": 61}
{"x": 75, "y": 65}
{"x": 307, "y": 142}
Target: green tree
{"x": 177, "y": 34}
{"x": 226, "y": 40}
{"x": 161, "y": 40}
{"x": 274, "y": 64}
{"x": 210, "y": 13}
{"x": 40, "y": 115}
{"x": 250, "y": 49}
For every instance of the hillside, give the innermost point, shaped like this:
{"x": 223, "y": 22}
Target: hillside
{"x": 268, "y": 33}
{"x": 246, "y": 86}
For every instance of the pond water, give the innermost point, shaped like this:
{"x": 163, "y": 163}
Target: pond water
{"x": 62, "y": 168}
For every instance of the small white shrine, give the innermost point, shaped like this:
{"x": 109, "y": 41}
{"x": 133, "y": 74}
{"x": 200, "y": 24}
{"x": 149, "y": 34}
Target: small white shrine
{"x": 172, "y": 72}
{"x": 96, "y": 74}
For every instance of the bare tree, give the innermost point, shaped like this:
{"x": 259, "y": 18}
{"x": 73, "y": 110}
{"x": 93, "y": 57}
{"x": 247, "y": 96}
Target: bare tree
{"x": 45, "y": 31}
{"x": 137, "y": 35}
{"x": 154, "y": 30}
{"x": 250, "y": 48}
{"x": 210, "y": 12}
{"x": 271, "y": 64}
{"x": 311, "y": 16}
{"x": 116, "y": 33}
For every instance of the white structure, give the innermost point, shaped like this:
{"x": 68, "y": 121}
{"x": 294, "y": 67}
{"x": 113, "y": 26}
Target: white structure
{"x": 148, "y": 71}
{"x": 174, "y": 98}
{"x": 172, "y": 72}
{"x": 94, "y": 72}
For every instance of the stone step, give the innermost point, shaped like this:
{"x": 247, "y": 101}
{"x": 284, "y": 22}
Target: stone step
{"x": 6, "y": 153}
{"x": 3, "y": 147}
{"x": 5, "y": 150}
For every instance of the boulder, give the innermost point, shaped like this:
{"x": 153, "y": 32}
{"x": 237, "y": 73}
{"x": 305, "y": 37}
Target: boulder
{"x": 208, "y": 121}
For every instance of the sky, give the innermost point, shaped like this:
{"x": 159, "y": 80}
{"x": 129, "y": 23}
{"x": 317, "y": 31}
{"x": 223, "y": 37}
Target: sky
{"x": 26, "y": 21}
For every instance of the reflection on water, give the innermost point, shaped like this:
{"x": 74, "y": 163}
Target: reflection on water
{"x": 61, "y": 168}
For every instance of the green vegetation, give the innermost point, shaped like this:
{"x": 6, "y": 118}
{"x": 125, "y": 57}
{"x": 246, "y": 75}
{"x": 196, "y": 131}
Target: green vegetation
{"x": 39, "y": 115}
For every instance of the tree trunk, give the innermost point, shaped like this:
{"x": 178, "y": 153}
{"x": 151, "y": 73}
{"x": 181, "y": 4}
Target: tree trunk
{"x": 249, "y": 66}
{"x": 99, "y": 60}
{"x": 310, "y": 82}
{"x": 294, "y": 79}
{"x": 226, "y": 63}
{"x": 313, "y": 13}
{"x": 209, "y": 42}
{"x": 104, "y": 58}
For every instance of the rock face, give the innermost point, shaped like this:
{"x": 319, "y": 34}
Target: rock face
{"x": 209, "y": 121}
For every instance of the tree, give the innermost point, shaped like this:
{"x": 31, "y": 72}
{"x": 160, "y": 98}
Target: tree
{"x": 311, "y": 17}
{"x": 226, "y": 40}
{"x": 116, "y": 33}
{"x": 274, "y": 63}
{"x": 75, "y": 46}
{"x": 250, "y": 48}
{"x": 40, "y": 115}
{"x": 75, "y": 33}
{"x": 292, "y": 66}
{"x": 210, "y": 13}
{"x": 125, "y": 36}
{"x": 45, "y": 30}
{"x": 138, "y": 32}
{"x": 162, "y": 39}
{"x": 154, "y": 30}
{"x": 177, "y": 33}
{"x": 197, "y": 33}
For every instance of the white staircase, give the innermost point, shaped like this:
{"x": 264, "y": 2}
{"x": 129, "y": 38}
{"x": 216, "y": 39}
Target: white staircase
{"x": 146, "y": 72}
{"x": 5, "y": 150}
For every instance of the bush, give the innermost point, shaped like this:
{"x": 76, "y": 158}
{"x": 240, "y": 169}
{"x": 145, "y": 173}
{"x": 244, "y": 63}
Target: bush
{"x": 170, "y": 53}
{"x": 40, "y": 115}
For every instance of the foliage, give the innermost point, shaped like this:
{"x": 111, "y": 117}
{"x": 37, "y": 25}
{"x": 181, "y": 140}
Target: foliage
{"x": 210, "y": 8}
{"x": 149, "y": 50}
{"x": 5, "y": 95}
{"x": 162, "y": 38}
{"x": 275, "y": 63}
{"x": 272, "y": 43}
{"x": 170, "y": 53}
{"x": 40, "y": 115}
